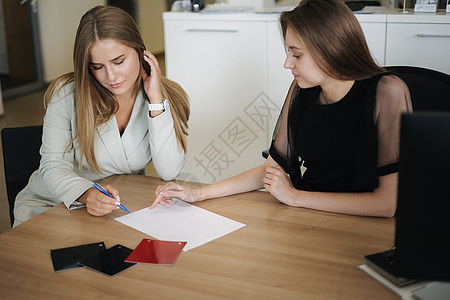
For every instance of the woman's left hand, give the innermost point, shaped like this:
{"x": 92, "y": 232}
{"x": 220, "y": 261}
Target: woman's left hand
{"x": 152, "y": 82}
{"x": 278, "y": 183}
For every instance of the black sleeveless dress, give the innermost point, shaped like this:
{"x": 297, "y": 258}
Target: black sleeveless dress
{"x": 336, "y": 144}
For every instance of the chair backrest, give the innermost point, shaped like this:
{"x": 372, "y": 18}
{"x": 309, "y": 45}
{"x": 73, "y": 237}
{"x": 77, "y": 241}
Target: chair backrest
{"x": 20, "y": 158}
{"x": 430, "y": 89}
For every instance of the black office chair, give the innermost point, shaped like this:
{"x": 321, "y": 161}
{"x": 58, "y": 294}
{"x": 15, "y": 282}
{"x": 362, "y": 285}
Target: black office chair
{"x": 429, "y": 89}
{"x": 20, "y": 158}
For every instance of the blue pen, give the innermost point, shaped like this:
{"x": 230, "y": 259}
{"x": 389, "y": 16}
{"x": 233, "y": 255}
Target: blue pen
{"x": 98, "y": 187}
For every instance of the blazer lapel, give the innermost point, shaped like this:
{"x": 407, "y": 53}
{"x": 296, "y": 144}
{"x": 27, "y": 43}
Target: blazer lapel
{"x": 137, "y": 127}
{"x": 112, "y": 143}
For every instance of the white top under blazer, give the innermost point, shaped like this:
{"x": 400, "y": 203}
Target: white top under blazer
{"x": 59, "y": 178}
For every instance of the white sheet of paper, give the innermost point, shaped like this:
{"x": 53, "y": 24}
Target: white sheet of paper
{"x": 180, "y": 222}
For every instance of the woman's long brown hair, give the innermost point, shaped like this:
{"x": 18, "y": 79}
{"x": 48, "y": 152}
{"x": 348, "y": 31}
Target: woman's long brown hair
{"x": 94, "y": 104}
{"x": 334, "y": 38}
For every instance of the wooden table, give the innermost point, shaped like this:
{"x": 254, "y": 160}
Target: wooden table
{"x": 282, "y": 253}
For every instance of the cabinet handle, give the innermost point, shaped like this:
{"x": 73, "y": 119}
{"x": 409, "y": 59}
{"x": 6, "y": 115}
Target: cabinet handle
{"x": 211, "y": 30}
{"x": 433, "y": 35}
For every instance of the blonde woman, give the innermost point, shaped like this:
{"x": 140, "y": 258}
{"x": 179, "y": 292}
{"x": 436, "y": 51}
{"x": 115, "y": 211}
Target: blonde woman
{"x": 337, "y": 146}
{"x": 112, "y": 115}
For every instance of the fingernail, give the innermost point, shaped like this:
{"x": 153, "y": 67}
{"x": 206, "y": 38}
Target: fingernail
{"x": 117, "y": 207}
{"x": 117, "y": 203}
{"x": 118, "y": 198}
{"x": 164, "y": 194}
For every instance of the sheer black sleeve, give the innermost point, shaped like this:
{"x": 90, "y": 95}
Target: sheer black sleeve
{"x": 279, "y": 149}
{"x": 392, "y": 100}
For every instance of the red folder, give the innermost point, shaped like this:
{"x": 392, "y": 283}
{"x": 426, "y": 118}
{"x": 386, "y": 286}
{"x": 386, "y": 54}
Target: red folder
{"x": 156, "y": 252}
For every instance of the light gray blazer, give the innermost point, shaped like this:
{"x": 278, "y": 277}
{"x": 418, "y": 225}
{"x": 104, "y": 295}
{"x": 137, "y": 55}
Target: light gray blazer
{"x": 59, "y": 178}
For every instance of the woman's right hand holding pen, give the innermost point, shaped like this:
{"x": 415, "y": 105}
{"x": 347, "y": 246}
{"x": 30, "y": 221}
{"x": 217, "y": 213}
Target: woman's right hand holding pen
{"x": 97, "y": 203}
{"x": 165, "y": 193}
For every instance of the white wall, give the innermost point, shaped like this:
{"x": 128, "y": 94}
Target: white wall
{"x": 58, "y": 23}
{"x": 149, "y": 18}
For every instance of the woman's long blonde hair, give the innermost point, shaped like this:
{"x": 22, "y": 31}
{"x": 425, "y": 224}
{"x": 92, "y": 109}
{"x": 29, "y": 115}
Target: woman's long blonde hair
{"x": 94, "y": 104}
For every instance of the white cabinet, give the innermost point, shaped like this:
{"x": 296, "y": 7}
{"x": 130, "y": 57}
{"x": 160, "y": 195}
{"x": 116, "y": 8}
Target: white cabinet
{"x": 419, "y": 40}
{"x": 222, "y": 66}
{"x": 374, "y": 28}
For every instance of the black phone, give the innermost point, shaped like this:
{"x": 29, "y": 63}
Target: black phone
{"x": 146, "y": 66}
{"x": 67, "y": 258}
{"x": 110, "y": 261}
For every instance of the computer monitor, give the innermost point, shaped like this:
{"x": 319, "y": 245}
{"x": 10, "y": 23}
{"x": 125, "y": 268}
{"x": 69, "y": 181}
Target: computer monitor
{"x": 422, "y": 233}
